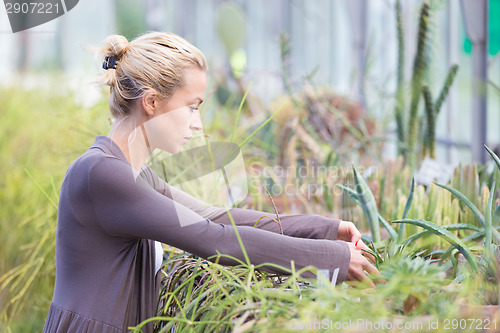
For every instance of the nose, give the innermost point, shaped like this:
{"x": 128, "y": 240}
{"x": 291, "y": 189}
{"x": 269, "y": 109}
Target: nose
{"x": 196, "y": 121}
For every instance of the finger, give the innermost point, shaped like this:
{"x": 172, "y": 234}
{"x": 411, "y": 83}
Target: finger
{"x": 361, "y": 245}
{"x": 371, "y": 284}
{"x": 370, "y": 269}
{"x": 360, "y": 273}
{"x": 355, "y": 237}
{"x": 353, "y": 232}
{"x": 364, "y": 279}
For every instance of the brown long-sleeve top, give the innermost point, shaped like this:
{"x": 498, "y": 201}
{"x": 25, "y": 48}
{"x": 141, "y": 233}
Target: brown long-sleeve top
{"x": 108, "y": 222}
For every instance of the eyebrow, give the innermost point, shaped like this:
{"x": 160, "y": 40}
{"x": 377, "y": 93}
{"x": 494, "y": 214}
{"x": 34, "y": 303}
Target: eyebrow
{"x": 199, "y": 99}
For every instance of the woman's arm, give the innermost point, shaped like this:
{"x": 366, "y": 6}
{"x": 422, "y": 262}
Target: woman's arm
{"x": 302, "y": 226}
{"x": 126, "y": 209}
{"x": 202, "y": 208}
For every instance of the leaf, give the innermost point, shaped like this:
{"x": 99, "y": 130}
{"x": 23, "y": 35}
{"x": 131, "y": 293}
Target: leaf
{"x": 459, "y": 226}
{"x": 450, "y": 77}
{"x": 495, "y": 218}
{"x": 244, "y": 142}
{"x": 238, "y": 237}
{"x": 466, "y": 201}
{"x": 45, "y": 194}
{"x": 487, "y": 221}
{"x": 409, "y": 203}
{"x": 495, "y": 157}
{"x": 239, "y": 111}
{"x": 327, "y": 197}
{"x": 392, "y": 233}
{"x": 446, "y": 235}
{"x": 474, "y": 237}
{"x": 351, "y": 193}
{"x": 385, "y": 224}
{"x": 368, "y": 204}
{"x": 378, "y": 259}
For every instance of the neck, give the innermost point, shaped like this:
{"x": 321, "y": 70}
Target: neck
{"x": 130, "y": 137}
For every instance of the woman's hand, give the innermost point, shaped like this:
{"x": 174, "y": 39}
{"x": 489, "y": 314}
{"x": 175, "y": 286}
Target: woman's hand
{"x": 348, "y": 232}
{"x": 359, "y": 266}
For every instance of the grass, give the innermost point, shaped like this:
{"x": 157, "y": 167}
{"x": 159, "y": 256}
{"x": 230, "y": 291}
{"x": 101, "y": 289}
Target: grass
{"x": 41, "y": 133}
{"x": 200, "y": 296}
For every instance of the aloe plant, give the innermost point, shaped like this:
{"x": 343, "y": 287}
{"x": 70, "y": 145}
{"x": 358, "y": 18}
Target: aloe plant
{"x": 488, "y": 222}
{"x": 448, "y": 236}
{"x": 368, "y": 203}
{"x": 363, "y": 196}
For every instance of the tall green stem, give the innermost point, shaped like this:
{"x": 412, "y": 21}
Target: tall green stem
{"x": 400, "y": 97}
{"x": 419, "y": 66}
{"x": 450, "y": 77}
{"x": 431, "y": 114}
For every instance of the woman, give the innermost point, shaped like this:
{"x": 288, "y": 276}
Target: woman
{"x": 114, "y": 211}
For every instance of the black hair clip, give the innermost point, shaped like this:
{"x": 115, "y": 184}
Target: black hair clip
{"x": 109, "y": 62}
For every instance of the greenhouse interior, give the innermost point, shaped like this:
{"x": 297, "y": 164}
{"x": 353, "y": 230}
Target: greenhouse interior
{"x": 375, "y": 120}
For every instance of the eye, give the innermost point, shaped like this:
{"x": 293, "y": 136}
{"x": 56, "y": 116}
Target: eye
{"x": 193, "y": 108}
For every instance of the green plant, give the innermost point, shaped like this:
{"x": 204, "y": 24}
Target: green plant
{"x": 205, "y": 296}
{"x": 408, "y": 135}
{"x": 41, "y": 133}
{"x": 419, "y": 67}
{"x": 202, "y": 296}
{"x": 400, "y": 96}
{"x": 22, "y": 279}
{"x": 397, "y": 241}
{"x": 488, "y": 230}
{"x": 432, "y": 110}
{"x": 447, "y": 235}
{"x": 411, "y": 281}
{"x": 367, "y": 201}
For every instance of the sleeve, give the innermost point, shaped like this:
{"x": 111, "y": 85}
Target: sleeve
{"x": 301, "y": 226}
{"x": 202, "y": 208}
{"x": 125, "y": 209}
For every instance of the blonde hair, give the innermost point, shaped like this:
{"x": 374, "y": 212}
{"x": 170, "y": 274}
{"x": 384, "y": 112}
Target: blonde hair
{"x": 154, "y": 60}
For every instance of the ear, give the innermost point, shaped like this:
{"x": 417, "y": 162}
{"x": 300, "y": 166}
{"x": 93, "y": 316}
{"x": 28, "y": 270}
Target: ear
{"x": 149, "y": 101}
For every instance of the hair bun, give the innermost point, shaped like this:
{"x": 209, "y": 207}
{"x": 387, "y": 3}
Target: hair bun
{"x": 115, "y": 45}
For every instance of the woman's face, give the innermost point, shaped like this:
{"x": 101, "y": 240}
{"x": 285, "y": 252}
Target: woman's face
{"x": 177, "y": 117}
